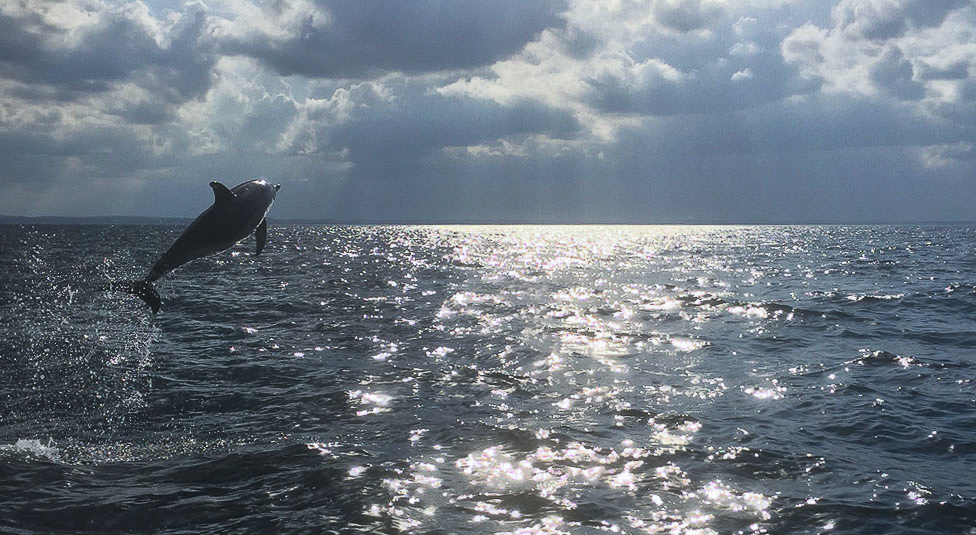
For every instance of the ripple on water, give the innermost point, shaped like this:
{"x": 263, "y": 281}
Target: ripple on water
{"x": 499, "y": 380}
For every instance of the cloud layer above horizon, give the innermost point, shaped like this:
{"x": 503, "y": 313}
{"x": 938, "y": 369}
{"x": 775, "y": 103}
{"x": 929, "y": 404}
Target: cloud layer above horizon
{"x": 572, "y": 111}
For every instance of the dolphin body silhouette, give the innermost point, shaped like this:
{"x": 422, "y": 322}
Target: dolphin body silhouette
{"x": 234, "y": 215}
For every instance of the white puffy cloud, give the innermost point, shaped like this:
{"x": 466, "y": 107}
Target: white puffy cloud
{"x": 744, "y": 74}
{"x": 902, "y": 49}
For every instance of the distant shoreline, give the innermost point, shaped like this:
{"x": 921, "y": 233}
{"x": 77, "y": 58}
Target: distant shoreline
{"x": 179, "y": 221}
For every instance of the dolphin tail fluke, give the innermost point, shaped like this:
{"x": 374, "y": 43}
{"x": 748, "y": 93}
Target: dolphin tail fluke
{"x": 145, "y": 291}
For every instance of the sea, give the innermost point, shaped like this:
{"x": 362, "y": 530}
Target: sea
{"x": 521, "y": 380}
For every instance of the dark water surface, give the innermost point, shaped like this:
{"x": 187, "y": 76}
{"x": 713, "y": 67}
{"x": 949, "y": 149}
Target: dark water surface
{"x": 524, "y": 380}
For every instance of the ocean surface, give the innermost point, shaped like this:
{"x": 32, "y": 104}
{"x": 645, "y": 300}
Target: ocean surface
{"x": 509, "y": 379}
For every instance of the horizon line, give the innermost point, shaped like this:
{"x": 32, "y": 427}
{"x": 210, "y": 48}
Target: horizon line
{"x": 174, "y": 220}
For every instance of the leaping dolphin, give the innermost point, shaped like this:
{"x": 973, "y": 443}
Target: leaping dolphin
{"x": 234, "y": 215}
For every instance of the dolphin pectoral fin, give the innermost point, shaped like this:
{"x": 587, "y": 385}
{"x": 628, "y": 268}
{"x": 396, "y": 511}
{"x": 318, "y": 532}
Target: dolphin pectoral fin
{"x": 222, "y": 195}
{"x": 145, "y": 291}
{"x": 262, "y": 235}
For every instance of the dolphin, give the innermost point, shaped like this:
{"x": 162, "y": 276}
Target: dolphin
{"x": 234, "y": 215}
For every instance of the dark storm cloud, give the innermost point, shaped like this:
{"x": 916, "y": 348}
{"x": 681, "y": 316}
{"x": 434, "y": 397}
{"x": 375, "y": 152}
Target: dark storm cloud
{"x": 687, "y": 15}
{"x": 29, "y": 159}
{"x": 146, "y": 112}
{"x": 17, "y": 45}
{"x": 786, "y": 162}
{"x": 117, "y": 49}
{"x": 40, "y": 158}
{"x": 369, "y": 37}
{"x": 895, "y": 75}
{"x": 877, "y": 20}
{"x": 184, "y": 69}
{"x": 956, "y": 71}
{"x": 821, "y": 160}
{"x": 391, "y": 141}
{"x": 782, "y": 131}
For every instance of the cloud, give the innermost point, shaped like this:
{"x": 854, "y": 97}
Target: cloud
{"x": 687, "y": 15}
{"x": 889, "y": 19}
{"x": 90, "y": 93}
{"x": 947, "y": 155}
{"x": 903, "y": 50}
{"x": 668, "y": 84}
{"x": 654, "y": 110}
{"x": 337, "y": 39}
{"x": 390, "y": 140}
{"x": 744, "y": 74}
{"x": 894, "y": 74}
{"x": 117, "y": 46}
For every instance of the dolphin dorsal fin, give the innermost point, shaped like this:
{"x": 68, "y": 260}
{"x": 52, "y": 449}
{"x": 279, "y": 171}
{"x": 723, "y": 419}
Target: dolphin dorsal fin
{"x": 222, "y": 195}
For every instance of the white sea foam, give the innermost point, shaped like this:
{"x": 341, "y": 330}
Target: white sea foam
{"x": 33, "y": 449}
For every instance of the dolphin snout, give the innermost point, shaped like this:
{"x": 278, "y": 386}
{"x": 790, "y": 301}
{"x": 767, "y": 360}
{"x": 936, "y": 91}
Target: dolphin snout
{"x": 277, "y": 187}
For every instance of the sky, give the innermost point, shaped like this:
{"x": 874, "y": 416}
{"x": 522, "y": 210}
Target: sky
{"x": 683, "y": 111}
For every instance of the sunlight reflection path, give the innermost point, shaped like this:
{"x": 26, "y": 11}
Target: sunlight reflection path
{"x": 615, "y": 324}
